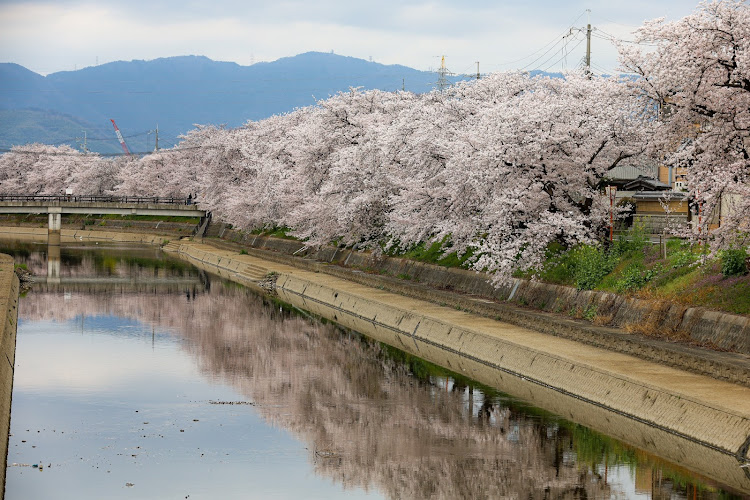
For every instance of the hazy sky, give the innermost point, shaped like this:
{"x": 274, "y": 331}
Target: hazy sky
{"x": 503, "y": 34}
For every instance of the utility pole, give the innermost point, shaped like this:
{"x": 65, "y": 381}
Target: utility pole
{"x": 477, "y": 70}
{"x": 588, "y": 48}
{"x": 156, "y": 148}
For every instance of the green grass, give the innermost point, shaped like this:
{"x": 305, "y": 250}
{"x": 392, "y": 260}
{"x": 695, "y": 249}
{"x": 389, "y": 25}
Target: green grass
{"x": 274, "y": 232}
{"x": 632, "y": 266}
{"x": 436, "y": 253}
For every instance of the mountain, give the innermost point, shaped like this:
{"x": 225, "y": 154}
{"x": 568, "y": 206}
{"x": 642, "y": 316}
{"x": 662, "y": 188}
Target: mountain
{"x": 176, "y": 93}
{"x": 23, "y": 126}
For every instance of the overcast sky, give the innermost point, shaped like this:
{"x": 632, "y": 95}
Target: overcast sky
{"x": 502, "y": 35}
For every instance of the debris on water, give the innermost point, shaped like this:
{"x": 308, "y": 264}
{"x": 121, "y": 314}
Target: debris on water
{"x": 231, "y": 403}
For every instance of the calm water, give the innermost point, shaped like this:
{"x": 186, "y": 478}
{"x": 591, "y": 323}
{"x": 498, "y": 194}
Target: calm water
{"x": 138, "y": 376}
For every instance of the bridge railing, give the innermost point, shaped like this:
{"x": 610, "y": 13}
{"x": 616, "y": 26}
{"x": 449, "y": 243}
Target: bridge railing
{"x": 97, "y": 199}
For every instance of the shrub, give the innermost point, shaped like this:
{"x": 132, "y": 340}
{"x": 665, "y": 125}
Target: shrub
{"x": 682, "y": 258}
{"x": 591, "y": 265}
{"x": 734, "y": 262}
{"x": 634, "y": 278}
{"x": 635, "y": 240}
{"x": 559, "y": 265}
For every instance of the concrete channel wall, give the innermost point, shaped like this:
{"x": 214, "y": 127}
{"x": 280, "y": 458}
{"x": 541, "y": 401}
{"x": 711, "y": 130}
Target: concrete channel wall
{"x": 723, "y": 330}
{"x": 9, "y": 287}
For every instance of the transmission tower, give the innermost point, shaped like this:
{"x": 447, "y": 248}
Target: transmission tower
{"x": 82, "y": 142}
{"x": 443, "y": 72}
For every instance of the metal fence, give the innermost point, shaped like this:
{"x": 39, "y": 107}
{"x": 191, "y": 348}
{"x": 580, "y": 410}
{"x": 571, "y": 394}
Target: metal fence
{"x": 97, "y": 199}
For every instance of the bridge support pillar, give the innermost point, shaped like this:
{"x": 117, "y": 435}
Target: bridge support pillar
{"x": 55, "y": 224}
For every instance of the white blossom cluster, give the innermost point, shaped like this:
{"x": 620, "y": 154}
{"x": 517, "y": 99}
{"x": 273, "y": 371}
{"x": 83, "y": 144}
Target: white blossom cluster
{"x": 503, "y": 165}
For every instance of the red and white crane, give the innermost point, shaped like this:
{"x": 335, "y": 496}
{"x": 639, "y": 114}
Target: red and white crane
{"x": 120, "y": 138}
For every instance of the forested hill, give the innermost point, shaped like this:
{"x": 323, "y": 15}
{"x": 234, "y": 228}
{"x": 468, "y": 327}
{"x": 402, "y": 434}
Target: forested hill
{"x": 176, "y": 93}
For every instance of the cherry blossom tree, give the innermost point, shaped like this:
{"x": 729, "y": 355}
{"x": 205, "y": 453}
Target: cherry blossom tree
{"x": 338, "y": 155}
{"x": 263, "y": 190}
{"x": 699, "y": 74}
{"x": 504, "y": 165}
{"x": 511, "y": 163}
{"x": 43, "y": 169}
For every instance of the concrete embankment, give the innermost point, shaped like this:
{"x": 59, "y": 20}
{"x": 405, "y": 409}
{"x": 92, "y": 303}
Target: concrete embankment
{"x": 8, "y": 315}
{"x": 725, "y": 331}
{"x": 470, "y": 291}
{"x": 691, "y": 419}
{"x": 697, "y": 421}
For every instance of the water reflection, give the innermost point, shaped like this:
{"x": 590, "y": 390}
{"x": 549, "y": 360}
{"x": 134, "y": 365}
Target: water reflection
{"x": 371, "y": 416}
{"x": 53, "y": 263}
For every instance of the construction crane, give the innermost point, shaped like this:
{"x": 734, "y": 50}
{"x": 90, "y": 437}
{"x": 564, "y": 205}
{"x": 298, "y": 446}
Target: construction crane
{"x": 120, "y": 138}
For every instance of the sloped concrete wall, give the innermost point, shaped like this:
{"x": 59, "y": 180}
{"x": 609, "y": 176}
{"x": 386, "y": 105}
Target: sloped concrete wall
{"x": 723, "y": 330}
{"x": 484, "y": 357}
{"x": 9, "y": 316}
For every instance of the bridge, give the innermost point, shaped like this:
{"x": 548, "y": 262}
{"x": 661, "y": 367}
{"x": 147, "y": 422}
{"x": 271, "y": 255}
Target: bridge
{"x": 55, "y": 206}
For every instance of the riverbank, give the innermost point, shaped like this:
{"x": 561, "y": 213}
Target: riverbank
{"x": 9, "y": 286}
{"x": 689, "y": 418}
{"x": 648, "y": 318}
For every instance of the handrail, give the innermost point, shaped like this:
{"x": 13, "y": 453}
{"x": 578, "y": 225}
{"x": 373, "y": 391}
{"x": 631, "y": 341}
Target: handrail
{"x": 97, "y": 199}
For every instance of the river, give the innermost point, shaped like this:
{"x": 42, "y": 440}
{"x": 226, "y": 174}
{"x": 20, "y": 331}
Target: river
{"x": 139, "y": 376}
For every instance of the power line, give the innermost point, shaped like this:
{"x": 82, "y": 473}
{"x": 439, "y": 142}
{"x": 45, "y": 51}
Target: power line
{"x": 555, "y": 40}
{"x": 603, "y": 70}
{"x": 564, "y": 56}
{"x": 544, "y": 54}
{"x": 568, "y": 40}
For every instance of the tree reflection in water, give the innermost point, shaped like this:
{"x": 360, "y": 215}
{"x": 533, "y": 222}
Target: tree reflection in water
{"x": 372, "y": 416}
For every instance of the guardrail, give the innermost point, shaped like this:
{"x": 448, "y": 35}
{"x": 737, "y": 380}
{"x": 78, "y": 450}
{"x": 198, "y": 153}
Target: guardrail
{"x": 97, "y": 199}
